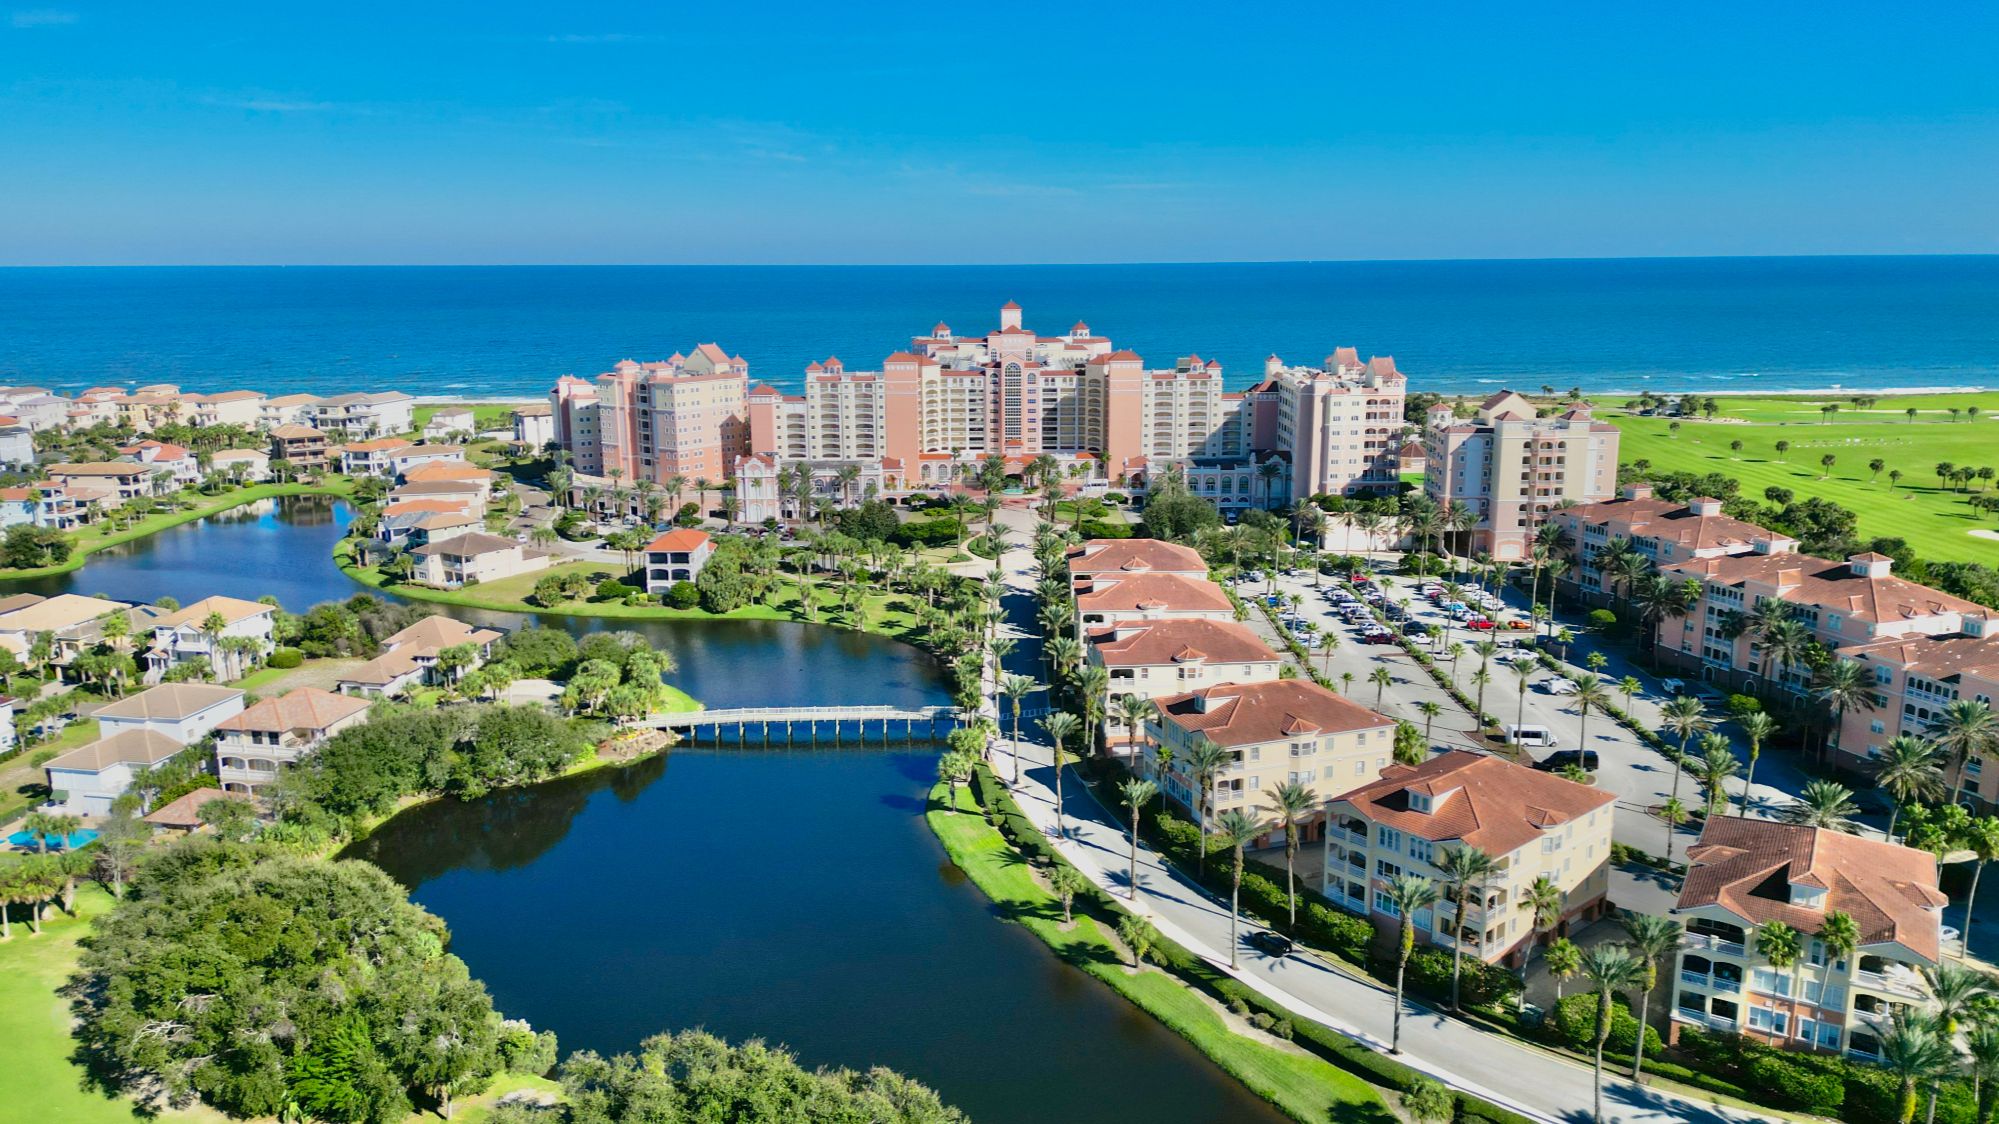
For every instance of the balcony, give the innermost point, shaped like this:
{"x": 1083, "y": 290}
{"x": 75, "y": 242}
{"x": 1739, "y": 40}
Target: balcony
{"x": 1701, "y": 1018}
{"x": 1713, "y": 944}
{"x": 1696, "y": 979}
{"x": 1890, "y": 984}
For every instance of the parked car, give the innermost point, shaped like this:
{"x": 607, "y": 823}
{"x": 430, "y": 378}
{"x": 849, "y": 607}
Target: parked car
{"x": 1563, "y": 758}
{"x": 1527, "y": 735}
{"x": 1560, "y": 686}
{"x": 1515, "y": 625}
{"x": 1416, "y": 628}
{"x": 1672, "y": 687}
{"x": 1479, "y": 624}
{"x": 1270, "y": 944}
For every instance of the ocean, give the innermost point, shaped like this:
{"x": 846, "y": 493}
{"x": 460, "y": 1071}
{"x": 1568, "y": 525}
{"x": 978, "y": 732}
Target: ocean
{"x": 1609, "y": 326}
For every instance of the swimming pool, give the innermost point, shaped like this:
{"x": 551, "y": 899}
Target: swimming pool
{"x": 83, "y": 837}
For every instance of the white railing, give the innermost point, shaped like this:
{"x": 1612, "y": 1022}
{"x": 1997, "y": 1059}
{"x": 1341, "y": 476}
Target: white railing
{"x": 1714, "y": 944}
{"x": 1698, "y": 979}
{"x": 750, "y": 715}
{"x": 1894, "y": 983}
{"x": 1701, "y": 1018}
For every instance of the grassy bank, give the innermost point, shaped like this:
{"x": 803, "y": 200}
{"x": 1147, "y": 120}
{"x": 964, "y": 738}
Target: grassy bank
{"x": 1302, "y": 1085}
{"x": 99, "y": 535}
{"x": 39, "y": 1081}
{"x": 886, "y": 614}
{"x": 1935, "y": 519}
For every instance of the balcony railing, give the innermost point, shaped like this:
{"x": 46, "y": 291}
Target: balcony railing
{"x": 1714, "y": 944}
{"x": 1697, "y": 979}
{"x": 1701, "y": 1018}
{"x": 1896, "y": 984}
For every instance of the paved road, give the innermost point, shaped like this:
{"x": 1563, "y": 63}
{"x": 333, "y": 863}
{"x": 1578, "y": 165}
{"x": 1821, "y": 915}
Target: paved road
{"x": 1536, "y": 1083}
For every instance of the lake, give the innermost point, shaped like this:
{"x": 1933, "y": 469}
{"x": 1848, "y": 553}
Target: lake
{"x": 792, "y": 895}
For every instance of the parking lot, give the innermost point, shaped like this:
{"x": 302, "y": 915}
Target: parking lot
{"x": 1640, "y": 777}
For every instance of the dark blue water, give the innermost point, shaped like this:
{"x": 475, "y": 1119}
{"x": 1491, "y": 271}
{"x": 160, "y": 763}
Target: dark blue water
{"x": 793, "y": 896}
{"x": 1710, "y": 324}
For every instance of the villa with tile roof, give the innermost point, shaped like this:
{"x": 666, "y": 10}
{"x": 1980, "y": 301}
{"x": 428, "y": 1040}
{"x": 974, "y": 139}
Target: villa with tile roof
{"x": 1149, "y": 658}
{"x": 245, "y": 638}
{"x": 409, "y": 658}
{"x": 676, "y": 556}
{"x": 85, "y": 780}
{"x": 1746, "y": 872}
{"x": 254, "y": 747}
{"x": 1108, "y": 598}
{"x": 1135, "y": 556}
{"x": 1534, "y": 824}
{"x": 474, "y": 557}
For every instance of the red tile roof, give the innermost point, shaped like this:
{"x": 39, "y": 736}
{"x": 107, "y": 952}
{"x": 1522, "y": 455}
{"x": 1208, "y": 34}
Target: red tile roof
{"x": 680, "y": 539}
{"x": 1240, "y": 714}
{"x": 1484, "y": 802}
{"x": 1151, "y": 643}
{"x": 1746, "y": 866}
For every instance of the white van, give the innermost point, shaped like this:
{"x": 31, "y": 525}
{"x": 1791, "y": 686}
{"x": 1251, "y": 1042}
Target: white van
{"x": 1528, "y": 735}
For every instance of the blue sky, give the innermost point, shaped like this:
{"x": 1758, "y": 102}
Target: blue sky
{"x": 887, "y": 132}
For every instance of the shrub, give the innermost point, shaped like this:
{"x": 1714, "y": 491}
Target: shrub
{"x": 934, "y": 532}
{"x": 1479, "y": 984}
{"x": 1575, "y": 1023}
{"x": 1801, "y": 1086}
{"x": 1741, "y": 706}
{"x": 683, "y": 595}
{"x": 1603, "y": 620}
{"x": 286, "y": 657}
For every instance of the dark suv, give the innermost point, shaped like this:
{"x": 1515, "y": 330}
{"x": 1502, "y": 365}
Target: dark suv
{"x": 1563, "y": 758}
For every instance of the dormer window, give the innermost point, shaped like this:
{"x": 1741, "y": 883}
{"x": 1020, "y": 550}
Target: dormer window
{"x": 1808, "y": 897}
{"x": 1419, "y": 802}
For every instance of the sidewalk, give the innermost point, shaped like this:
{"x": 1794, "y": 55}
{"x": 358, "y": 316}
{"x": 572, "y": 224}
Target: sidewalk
{"x": 1532, "y": 1082}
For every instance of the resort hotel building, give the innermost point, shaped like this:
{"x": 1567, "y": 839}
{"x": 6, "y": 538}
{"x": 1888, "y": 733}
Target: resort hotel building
{"x": 933, "y": 412}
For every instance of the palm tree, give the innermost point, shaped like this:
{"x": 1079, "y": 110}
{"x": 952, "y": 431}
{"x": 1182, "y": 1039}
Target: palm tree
{"x": 1134, "y": 711}
{"x": 1589, "y": 693}
{"x": 1672, "y": 813}
{"x": 1465, "y": 870}
{"x": 1429, "y": 709}
{"x": 1981, "y": 838}
{"x": 1907, "y": 770}
{"x": 1612, "y": 968}
{"x": 1235, "y": 830}
{"x": 1825, "y": 804}
{"x": 1059, "y": 726}
{"x": 1408, "y": 895}
{"x": 1205, "y": 761}
{"x": 1543, "y": 902}
{"x": 1136, "y": 794}
{"x": 1563, "y": 959}
{"x": 1966, "y": 729}
{"x": 1093, "y": 684}
{"x": 1844, "y": 685}
{"x": 1717, "y": 764}
{"x": 1756, "y": 727}
{"x": 1292, "y": 802}
{"x": 1914, "y": 1050}
{"x": 45, "y": 826}
{"x": 1981, "y": 1048}
{"x": 1014, "y": 688}
{"x": 1381, "y": 679}
{"x": 1684, "y": 716}
{"x": 1782, "y": 948}
{"x": 955, "y": 768}
{"x": 1653, "y": 938}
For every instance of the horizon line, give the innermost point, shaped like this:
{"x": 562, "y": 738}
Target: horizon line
{"x": 992, "y": 265}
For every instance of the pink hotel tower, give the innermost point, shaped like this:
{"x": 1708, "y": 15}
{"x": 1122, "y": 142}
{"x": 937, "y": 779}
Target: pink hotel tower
{"x": 949, "y": 401}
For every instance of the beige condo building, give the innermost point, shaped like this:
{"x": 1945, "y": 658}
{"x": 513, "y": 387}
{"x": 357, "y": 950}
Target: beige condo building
{"x": 1512, "y": 468}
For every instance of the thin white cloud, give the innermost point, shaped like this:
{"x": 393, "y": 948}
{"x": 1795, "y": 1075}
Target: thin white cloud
{"x": 41, "y": 17}
{"x": 272, "y": 105}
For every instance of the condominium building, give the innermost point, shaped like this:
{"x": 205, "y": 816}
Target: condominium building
{"x": 1153, "y": 658}
{"x": 685, "y": 417}
{"x": 1106, "y": 599}
{"x": 1340, "y": 423}
{"x": 1275, "y": 731}
{"x": 1842, "y": 604}
{"x": 1135, "y": 556}
{"x": 1534, "y": 825}
{"x": 1915, "y": 678}
{"x": 365, "y": 415}
{"x": 1748, "y": 872}
{"x": 1660, "y": 531}
{"x": 1511, "y": 468}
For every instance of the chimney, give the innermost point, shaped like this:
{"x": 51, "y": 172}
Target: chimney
{"x": 1009, "y": 315}
{"x": 1704, "y": 506}
{"x": 1638, "y": 491}
{"x": 1870, "y": 565}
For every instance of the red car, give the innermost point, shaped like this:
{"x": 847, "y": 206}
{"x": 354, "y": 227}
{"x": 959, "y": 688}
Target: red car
{"x": 1479, "y": 624}
{"x": 1379, "y": 637}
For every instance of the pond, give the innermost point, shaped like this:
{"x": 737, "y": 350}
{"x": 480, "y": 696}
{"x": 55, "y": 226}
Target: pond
{"x": 791, "y": 895}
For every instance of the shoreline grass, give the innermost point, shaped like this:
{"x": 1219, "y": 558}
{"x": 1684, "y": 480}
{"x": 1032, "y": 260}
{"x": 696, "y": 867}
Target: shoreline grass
{"x": 1302, "y": 1085}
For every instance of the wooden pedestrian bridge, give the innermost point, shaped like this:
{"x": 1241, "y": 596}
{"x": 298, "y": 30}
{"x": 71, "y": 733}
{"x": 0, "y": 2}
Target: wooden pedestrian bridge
{"x": 811, "y": 724}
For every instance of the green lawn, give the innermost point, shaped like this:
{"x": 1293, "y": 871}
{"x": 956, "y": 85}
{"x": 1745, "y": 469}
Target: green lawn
{"x": 37, "y": 1080}
{"x": 485, "y": 415}
{"x": 888, "y": 614}
{"x": 1935, "y": 520}
{"x": 23, "y": 783}
{"x": 1304, "y": 1086}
